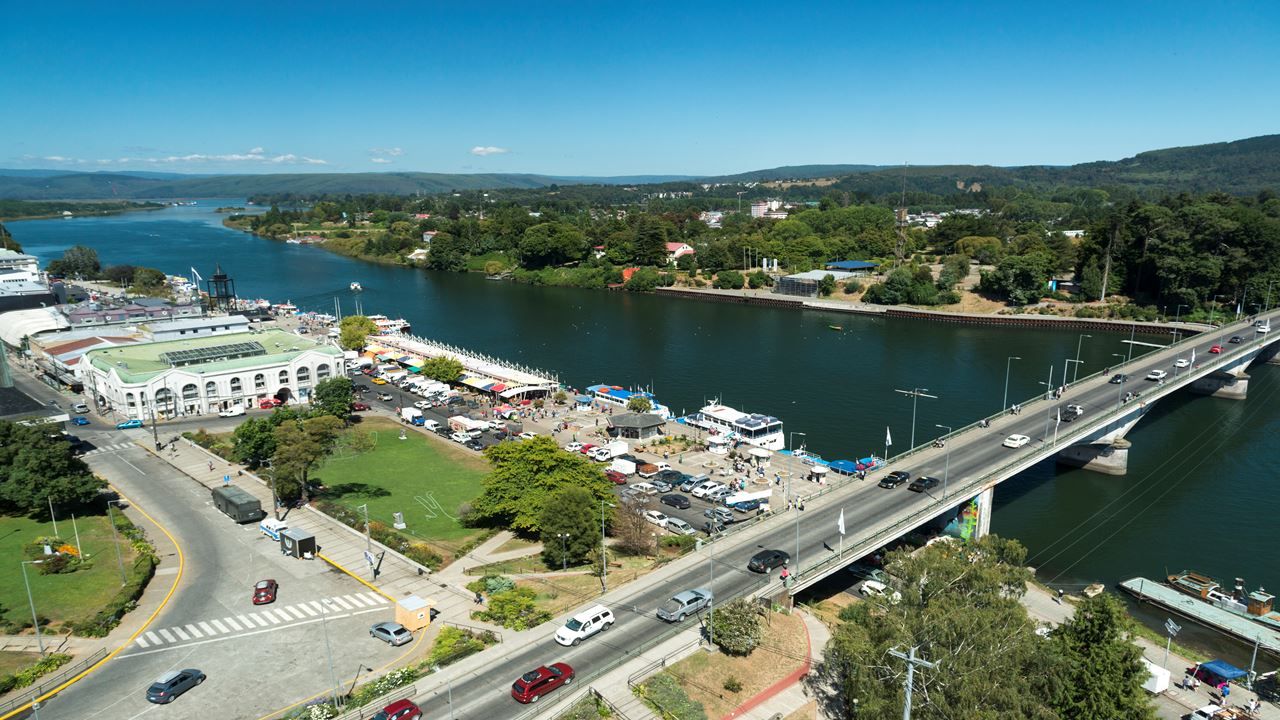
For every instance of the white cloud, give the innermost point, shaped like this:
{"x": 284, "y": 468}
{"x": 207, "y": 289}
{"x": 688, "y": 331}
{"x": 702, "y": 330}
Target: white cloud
{"x": 393, "y": 152}
{"x": 254, "y": 156}
{"x": 380, "y": 161}
{"x": 483, "y": 150}
{"x": 257, "y": 151}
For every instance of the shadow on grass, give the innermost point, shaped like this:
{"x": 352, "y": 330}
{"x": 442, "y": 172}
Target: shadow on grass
{"x": 359, "y": 490}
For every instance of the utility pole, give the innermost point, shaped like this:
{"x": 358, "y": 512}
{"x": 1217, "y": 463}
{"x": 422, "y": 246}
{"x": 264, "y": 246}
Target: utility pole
{"x": 915, "y": 394}
{"x": 1106, "y": 271}
{"x": 912, "y": 662}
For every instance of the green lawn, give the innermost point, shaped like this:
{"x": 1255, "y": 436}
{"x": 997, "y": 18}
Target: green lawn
{"x": 70, "y": 596}
{"x": 12, "y": 662}
{"x": 421, "y": 477}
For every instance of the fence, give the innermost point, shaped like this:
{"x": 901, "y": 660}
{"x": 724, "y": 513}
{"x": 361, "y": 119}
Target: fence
{"x": 51, "y": 681}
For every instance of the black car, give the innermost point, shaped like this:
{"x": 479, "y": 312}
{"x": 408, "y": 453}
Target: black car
{"x": 895, "y": 478}
{"x": 676, "y": 501}
{"x": 923, "y": 483}
{"x": 1071, "y": 412}
{"x": 172, "y": 684}
{"x": 671, "y": 477}
{"x": 1236, "y": 340}
{"x": 473, "y": 445}
{"x": 766, "y": 560}
{"x": 1118, "y": 378}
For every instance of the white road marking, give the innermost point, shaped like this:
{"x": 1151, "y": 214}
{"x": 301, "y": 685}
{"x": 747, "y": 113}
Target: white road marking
{"x": 318, "y": 607}
{"x": 243, "y": 635}
{"x": 141, "y": 642}
{"x": 156, "y": 639}
{"x": 307, "y": 609}
{"x": 270, "y": 617}
{"x": 284, "y": 616}
{"x": 168, "y": 636}
{"x": 207, "y": 629}
{"x": 294, "y": 611}
{"x": 221, "y": 628}
{"x": 258, "y": 619}
{"x": 194, "y": 631}
{"x": 135, "y": 467}
{"x": 179, "y": 633}
{"x": 245, "y": 621}
{"x": 344, "y": 604}
{"x": 375, "y": 597}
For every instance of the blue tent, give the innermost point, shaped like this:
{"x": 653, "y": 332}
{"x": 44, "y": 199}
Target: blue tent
{"x": 850, "y": 265}
{"x": 1221, "y": 669}
{"x": 844, "y": 467}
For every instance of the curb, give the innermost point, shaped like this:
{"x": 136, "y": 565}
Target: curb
{"x": 357, "y": 578}
{"x": 790, "y": 679}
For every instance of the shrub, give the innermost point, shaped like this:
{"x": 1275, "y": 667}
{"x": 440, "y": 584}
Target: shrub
{"x": 497, "y": 583}
{"x": 733, "y": 684}
{"x": 670, "y": 700}
{"x": 852, "y": 287}
{"x": 31, "y": 673}
{"x": 737, "y": 627}
{"x": 728, "y": 280}
{"x": 126, "y": 598}
{"x": 453, "y": 644}
{"x": 513, "y": 609}
{"x": 681, "y": 542}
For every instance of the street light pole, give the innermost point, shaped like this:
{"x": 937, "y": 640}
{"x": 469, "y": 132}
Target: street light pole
{"x": 604, "y": 559}
{"x": 564, "y": 562}
{"x": 333, "y": 677}
{"x": 915, "y": 394}
{"x": 946, "y": 468}
{"x": 1067, "y": 362}
{"x": 1213, "y": 306}
{"x": 34, "y": 618}
{"x": 1076, "y": 375}
{"x": 791, "y": 437}
{"x": 1007, "y": 364}
{"x": 115, "y": 540}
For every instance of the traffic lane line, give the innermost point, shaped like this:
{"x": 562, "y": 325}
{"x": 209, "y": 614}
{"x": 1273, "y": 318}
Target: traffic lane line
{"x": 180, "y": 646}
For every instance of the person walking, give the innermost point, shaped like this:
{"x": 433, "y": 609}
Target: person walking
{"x": 1058, "y": 598}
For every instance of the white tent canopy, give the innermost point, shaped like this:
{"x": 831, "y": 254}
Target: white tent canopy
{"x": 18, "y": 324}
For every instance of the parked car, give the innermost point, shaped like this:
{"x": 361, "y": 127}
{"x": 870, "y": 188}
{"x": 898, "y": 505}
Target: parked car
{"x": 661, "y": 485}
{"x": 379, "y": 381}
{"x": 655, "y": 517}
{"x": 269, "y": 403}
{"x": 647, "y": 470}
{"x": 683, "y": 604}
{"x": 79, "y": 420}
{"x": 691, "y": 481}
{"x": 384, "y": 397}
{"x": 1157, "y": 375}
{"x": 1236, "y": 340}
{"x": 422, "y": 404}
{"x": 574, "y": 446}
{"x": 399, "y": 710}
{"x": 527, "y": 435}
{"x": 359, "y": 406}
{"x": 864, "y": 571}
{"x": 674, "y": 477}
{"x": 1182, "y": 363}
{"x": 170, "y": 685}
{"x": 361, "y": 389}
{"x": 615, "y": 477}
{"x": 1118, "y": 378}
{"x": 711, "y": 527}
{"x": 646, "y": 488}
{"x": 724, "y": 515}
{"x": 392, "y": 633}
{"x": 1016, "y": 441}
{"x": 676, "y": 501}
{"x": 745, "y": 506}
{"x": 536, "y": 683}
{"x": 679, "y": 527}
{"x": 459, "y": 437}
{"x": 766, "y": 560}
{"x": 705, "y": 488}
{"x": 80, "y": 408}
{"x": 264, "y": 592}
{"x": 129, "y": 424}
{"x": 720, "y": 493}
{"x": 877, "y": 589}
{"x": 595, "y": 619}
{"x": 473, "y": 444}
{"x": 924, "y": 483}
{"x": 586, "y": 448}
{"x": 894, "y": 479}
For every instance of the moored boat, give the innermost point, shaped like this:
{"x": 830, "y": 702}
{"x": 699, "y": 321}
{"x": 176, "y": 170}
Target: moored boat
{"x": 1256, "y": 605}
{"x": 390, "y": 326}
{"x": 763, "y": 431}
{"x": 617, "y": 397}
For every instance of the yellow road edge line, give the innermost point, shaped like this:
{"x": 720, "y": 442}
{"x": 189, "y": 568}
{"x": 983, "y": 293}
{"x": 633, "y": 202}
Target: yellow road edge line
{"x": 172, "y": 588}
{"x": 358, "y": 579}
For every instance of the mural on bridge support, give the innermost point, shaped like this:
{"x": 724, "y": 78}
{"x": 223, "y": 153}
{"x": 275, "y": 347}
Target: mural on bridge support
{"x": 965, "y": 524}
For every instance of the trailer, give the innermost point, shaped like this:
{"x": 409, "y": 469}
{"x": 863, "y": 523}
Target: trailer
{"x": 413, "y": 416}
{"x": 237, "y": 504}
{"x": 464, "y": 424}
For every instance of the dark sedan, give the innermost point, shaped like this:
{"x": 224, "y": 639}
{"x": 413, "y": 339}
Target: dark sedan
{"x": 895, "y": 478}
{"x": 766, "y": 560}
{"x": 676, "y": 501}
{"x": 924, "y": 483}
{"x": 172, "y": 684}
{"x": 1118, "y": 378}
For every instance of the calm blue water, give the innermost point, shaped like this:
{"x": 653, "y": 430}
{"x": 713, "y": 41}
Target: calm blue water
{"x": 1202, "y": 491}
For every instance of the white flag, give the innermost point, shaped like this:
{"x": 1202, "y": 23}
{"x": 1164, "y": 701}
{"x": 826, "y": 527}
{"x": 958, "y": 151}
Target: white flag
{"x": 840, "y": 522}
{"x": 1193, "y": 356}
{"x": 888, "y": 439}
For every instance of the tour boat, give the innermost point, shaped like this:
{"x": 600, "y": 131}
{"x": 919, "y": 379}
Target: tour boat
{"x": 356, "y": 287}
{"x": 763, "y": 431}
{"x": 1256, "y": 605}
{"x": 617, "y": 397}
{"x": 389, "y": 326}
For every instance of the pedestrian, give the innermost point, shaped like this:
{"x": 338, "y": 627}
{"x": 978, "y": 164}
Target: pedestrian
{"x": 1225, "y": 689}
{"x": 784, "y": 574}
{"x": 479, "y": 598}
{"x": 210, "y": 466}
{"x": 1058, "y": 598}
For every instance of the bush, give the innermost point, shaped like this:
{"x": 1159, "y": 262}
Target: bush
{"x": 736, "y": 627}
{"x": 513, "y": 609}
{"x": 683, "y": 542}
{"x": 420, "y": 553}
{"x": 31, "y": 673}
{"x": 453, "y": 644}
{"x": 670, "y": 700}
{"x": 728, "y": 280}
{"x": 733, "y": 684}
{"x": 126, "y": 598}
{"x": 852, "y": 287}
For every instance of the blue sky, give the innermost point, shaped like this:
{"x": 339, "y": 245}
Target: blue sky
{"x": 613, "y": 88}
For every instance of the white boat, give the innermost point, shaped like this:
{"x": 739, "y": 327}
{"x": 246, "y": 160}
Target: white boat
{"x": 389, "y": 326}
{"x": 763, "y": 431}
{"x": 356, "y": 287}
{"x": 617, "y": 397}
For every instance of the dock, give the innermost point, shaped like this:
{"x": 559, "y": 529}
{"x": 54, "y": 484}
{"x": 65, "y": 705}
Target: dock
{"x": 1241, "y": 628}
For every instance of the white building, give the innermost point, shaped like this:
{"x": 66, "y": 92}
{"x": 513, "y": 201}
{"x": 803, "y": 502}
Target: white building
{"x": 11, "y": 260}
{"x": 207, "y": 374}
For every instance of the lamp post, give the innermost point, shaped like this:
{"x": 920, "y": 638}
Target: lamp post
{"x": 1076, "y": 375}
{"x": 115, "y": 538}
{"x": 1067, "y": 362}
{"x": 1213, "y": 306}
{"x": 1004, "y": 405}
{"x": 604, "y": 559}
{"x": 1120, "y": 385}
{"x": 324, "y": 625}
{"x": 564, "y": 562}
{"x": 34, "y": 618}
{"x": 791, "y": 441}
{"x": 915, "y": 394}
{"x": 946, "y": 468}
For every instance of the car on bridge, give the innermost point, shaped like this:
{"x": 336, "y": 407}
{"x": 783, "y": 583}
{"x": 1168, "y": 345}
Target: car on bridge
{"x": 923, "y": 483}
{"x": 1118, "y": 378}
{"x": 766, "y": 560}
{"x": 895, "y": 478}
{"x": 536, "y": 683}
{"x": 129, "y": 424}
{"x": 1157, "y": 375}
{"x": 1236, "y": 340}
{"x": 684, "y": 604}
{"x": 1182, "y": 363}
{"x": 1216, "y": 349}
{"x": 1016, "y": 441}
{"x": 1072, "y": 412}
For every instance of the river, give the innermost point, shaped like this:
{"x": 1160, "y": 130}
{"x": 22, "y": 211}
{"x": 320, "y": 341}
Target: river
{"x": 1200, "y": 493}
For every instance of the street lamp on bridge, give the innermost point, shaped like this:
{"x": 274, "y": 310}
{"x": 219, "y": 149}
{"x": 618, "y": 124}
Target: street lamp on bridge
{"x": 915, "y": 394}
{"x": 1076, "y": 375}
{"x": 946, "y": 468}
{"x": 1004, "y": 405}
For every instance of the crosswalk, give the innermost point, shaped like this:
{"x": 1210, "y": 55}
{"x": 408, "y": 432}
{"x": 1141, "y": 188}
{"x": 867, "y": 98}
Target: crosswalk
{"x": 262, "y": 617}
{"x": 113, "y": 447}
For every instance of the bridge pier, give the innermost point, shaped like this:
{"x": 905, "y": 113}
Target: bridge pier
{"x": 985, "y": 499}
{"x": 1109, "y": 458}
{"x": 1231, "y": 384}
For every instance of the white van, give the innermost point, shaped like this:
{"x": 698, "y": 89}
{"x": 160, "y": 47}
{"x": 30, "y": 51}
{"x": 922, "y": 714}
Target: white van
{"x": 272, "y": 527}
{"x": 236, "y": 411}
{"x": 594, "y": 619}
{"x": 431, "y": 425}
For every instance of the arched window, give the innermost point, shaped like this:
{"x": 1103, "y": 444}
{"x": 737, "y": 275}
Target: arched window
{"x": 211, "y": 389}
{"x": 189, "y": 392}
{"x": 164, "y": 395}
{"x": 259, "y": 382}
{"x": 129, "y": 400}
{"x": 304, "y": 376}
{"x": 284, "y": 377}
{"x": 322, "y": 371}
{"x": 235, "y": 386}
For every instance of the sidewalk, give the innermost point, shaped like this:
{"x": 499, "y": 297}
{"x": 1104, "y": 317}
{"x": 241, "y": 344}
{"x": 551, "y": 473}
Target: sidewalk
{"x": 1174, "y": 702}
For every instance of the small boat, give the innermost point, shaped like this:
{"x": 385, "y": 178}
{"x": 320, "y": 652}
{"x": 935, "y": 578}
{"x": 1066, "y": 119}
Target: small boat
{"x": 356, "y": 287}
{"x": 836, "y": 327}
{"x": 1256, "y": 605}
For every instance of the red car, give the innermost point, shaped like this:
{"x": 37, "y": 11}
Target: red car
{"x": 359, "y": 406}
{"x": 264, "y": 592}
{"x": 1215, "y": 349}
{"x": 399, "y": 710}
{"x": 615, "y": 477}
{"x": 586, "y": 447}
{"x": 269, "y": 403}
{"x": 536, "y": 683}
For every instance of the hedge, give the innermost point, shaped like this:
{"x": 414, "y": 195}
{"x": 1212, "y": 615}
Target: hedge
{"x": 31, "y": 673}
{"x": 663, "y": 693}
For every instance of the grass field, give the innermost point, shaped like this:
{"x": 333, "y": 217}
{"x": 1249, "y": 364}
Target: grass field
{"x": 66, "y": 597}
{"x": 419, "y": 476}
{"x": 12, "y": 662}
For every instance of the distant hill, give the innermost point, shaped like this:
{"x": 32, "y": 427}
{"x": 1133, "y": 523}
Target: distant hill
{"x": 1239, "y": 167}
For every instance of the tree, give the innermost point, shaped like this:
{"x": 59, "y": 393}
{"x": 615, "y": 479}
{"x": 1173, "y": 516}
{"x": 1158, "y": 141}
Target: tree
{"x": 444, "y": 369}
{"x": 525, "y": 475}
{"x": 78, "y": 261}
{"x": 333, "y": 397}
{"x": 735, "y": 627}
{"x": 148, "y": 278}
{"x": 1022, "y": 279}
{"x": 728, "y": 280}
{"x": 121, "y": 275}
{"x": 551, "y": 244}
{"x": 827, "y": 285}
{"x": 37, "y": 467}
{"x": 986, "y": 250}
{"x": 1091, "y": 281}
{"x": 639, "y": 404}
{"x": 569, "y": 511}
{"x": 354, "y": 331}
{"x": 644, "y": 279}
{"x": 651, "y": 242}
{"x": 515, "y": 608}
{"x": 254, "y": 441}
{"x": 1104, "y": 670}
{"x": 300, "y": 447}
{"x": 634, "y": 533}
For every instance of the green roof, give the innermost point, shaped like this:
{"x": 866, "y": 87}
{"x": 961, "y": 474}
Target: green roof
{"x": 209, "y": 353}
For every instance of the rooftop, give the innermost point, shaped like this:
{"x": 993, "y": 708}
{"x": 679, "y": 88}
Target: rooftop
{"x": 210, "y": 353}
{"x": 819, "y": 274}
{"x": 636, "y": 420}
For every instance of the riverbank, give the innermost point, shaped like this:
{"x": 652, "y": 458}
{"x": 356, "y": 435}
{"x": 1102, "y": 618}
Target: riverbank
{"x": 327, "y": 243}
{"x": 11, "y": 210}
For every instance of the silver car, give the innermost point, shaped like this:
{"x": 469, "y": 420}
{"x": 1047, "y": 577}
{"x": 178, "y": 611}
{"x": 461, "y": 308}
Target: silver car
{"x": 393, "y": 633}
{"x": 684, "y": 604}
